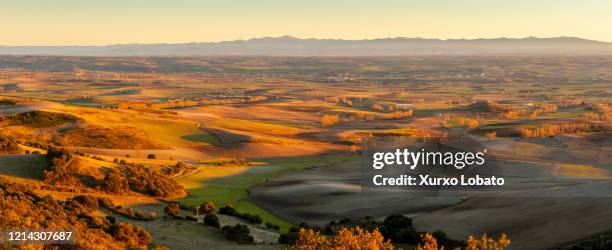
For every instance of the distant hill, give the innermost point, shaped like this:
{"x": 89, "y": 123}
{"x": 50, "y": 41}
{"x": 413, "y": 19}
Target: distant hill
{"x": 291, "y": 46}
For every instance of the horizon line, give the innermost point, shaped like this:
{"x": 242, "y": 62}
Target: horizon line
{"x": 310, "y": 38}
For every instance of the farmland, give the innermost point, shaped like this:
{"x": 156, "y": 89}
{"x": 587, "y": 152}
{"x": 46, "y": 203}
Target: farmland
{"x": 281, "y": 138}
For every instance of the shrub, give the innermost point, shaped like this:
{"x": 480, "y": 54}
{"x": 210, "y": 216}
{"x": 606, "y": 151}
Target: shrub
{"x": 45, "y": 211}
{"x": 114, "y": 183}
{"x": 272, "y": 226}
{"x": 430, "y": 242}
{"x": 139, "y": 215}
{"x": 253, "y": 218}
{"x": 111, "y": 219}
{"x": 209, "y": 207}
{"x": 87, "y": 201}
{"x": 239, "y": 233}
{"x": 353, "y": 238}
{"x": 151, "y": 156}
{"x": 328, "y": 120}
{"x": 491, "y": 135}
{"x": 172, "y": 209}
{"x": 212, "y": 220}
{"x": 132, "y": 235}
{"x": 439, "y": 235}
{"x": 399, "y": 229}
{"x": 229, "y": 210}
{"x": 63, "y": 169}
{"x": 150, "y": 181}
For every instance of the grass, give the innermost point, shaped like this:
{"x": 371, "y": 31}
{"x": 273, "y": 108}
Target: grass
{"x": 490, "y": 127}
{"x": 253, "y": 126}
{"x": 23, "y": 166}
{"x": 165, "y": 131}
{"x": 229, "y": 185}
{"x": 206, "y": 138}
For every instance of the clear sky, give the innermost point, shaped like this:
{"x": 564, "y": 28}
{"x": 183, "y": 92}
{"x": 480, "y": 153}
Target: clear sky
{"x": 95, "y": 22}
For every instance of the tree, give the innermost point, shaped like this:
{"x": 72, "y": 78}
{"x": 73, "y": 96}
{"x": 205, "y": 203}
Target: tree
{"x": 209, "y": 207}
{"x": 8, "y": 145}
{"x": 429, "y": 242}
{"x": 212, "y": 220}
{"x": 353, "y": 238}
{"x": 114, "y": 183}
{"x": 132, "y": 235}
{"x": 239, "y": 233}
{"x": 328, "y": 120}
{"x": 172, "y": 209}
{"x": 87, "y": 201}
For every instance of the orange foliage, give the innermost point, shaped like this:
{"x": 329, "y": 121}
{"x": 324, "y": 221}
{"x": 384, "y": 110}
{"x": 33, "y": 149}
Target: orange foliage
{"x": 429, "y": 242}
{"x": 354, "y": 238}
{"x": 469, "y": 123}
{"x": 486, "y": 243}
{"x": 603, "y": 116}
{"x": 512, "y": 114}
{"x": 328, "y": 120}
{"x": 556, "y": 129}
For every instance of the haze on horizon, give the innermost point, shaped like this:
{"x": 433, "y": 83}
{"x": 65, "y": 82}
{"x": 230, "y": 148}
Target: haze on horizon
{"x": 73, "y": 22}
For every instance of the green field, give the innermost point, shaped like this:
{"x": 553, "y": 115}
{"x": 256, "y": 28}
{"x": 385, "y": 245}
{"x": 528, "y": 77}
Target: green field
{"x": 212, "y": 185}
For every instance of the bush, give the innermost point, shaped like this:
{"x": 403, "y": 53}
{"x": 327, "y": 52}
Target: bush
{"x": 151, "y": 156}
{"x": 229, "y": 210}
{"x": 139, "y": 215}
{"x": 172, "y": 209}
{"x": 111, "y": 219}
{"x": 291, "y": 237}
{"x": 346, "y": 238}
{"x": 397, "y": 221}
{"x": 87, "y": 201}
{"x": 150, "y": 181}
{"x": 272, "y": 226}
{"x": 439, "y": 235}
{"x": 208, "y": 207}
{"x": 212, "y": 220}
{"x": 239, "y": 233}
{"x": 399, "y": 229}
{"x": 114, "y": 183}
{"x": 252, "y": 218}
{"x": 132, "y": 235}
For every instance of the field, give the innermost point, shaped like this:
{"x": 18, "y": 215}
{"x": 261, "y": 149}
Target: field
{"x": 230, "y": 185}
{"x": 284, "y": 139}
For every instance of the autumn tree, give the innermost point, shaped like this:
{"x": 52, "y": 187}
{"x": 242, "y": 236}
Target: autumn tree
{"x": 429, "y": 242}
{"x": 353, "y": 238}
{"x": 208, "y": 207}
{"x": 328, "y": 120}
{"x": 172, "y": 209}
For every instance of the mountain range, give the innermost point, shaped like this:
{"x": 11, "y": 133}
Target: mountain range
{"x": 292, "y": 46}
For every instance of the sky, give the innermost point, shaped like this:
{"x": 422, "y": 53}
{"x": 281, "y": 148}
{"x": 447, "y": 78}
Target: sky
{"x": 101, "y": 22}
